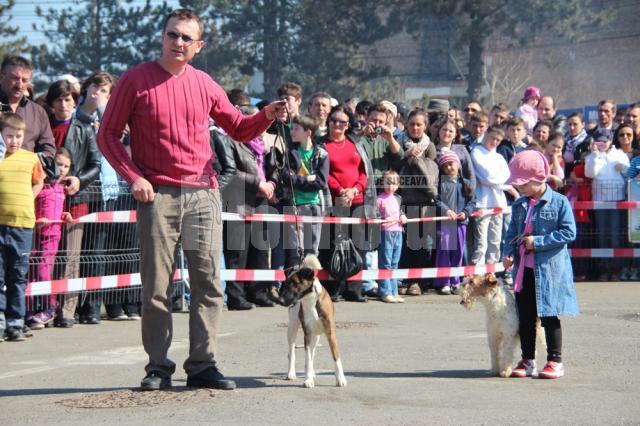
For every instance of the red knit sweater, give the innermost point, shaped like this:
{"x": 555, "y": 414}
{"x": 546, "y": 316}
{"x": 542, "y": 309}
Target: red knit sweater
{"x": 346, "y": 169}
{"x": 169, "y": 128}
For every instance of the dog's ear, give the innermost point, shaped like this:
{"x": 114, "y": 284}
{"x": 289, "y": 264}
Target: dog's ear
{"x": 307, "y": 274}
{"x": 491, "y": 279}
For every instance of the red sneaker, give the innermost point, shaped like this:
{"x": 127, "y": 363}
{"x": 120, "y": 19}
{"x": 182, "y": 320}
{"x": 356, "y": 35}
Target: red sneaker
{"x": 552, "y": 370}
{"x": 524, "y": 368}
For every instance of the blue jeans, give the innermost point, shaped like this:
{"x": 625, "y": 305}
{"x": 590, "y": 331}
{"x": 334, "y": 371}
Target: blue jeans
{"x": 388, "y": 258}
{"x": 610, "y": 232}
{"x": 368, "y": 285}
{"x": 15, "y": 246}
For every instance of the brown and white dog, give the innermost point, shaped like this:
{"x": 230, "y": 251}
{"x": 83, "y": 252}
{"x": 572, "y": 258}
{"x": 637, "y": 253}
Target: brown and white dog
{"x": 310, "y": 306}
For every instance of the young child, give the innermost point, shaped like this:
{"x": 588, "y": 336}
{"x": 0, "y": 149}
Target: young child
{"x": 21, "y": 178}
{"x": 492, "y": 173}
{"x": 455, "y": 200}
{"x": 388, "y": 206}
{"x": 541, "y": 227}
{"x": 49, "y": 206}
{"x": 606, "y": 164}
{"x": 528, "y": 111}
{"x": 580, "y": 190}
{"x": 553, "y": 155}
{"x": 514, "y": 140}
{"x": 308, "y": 174}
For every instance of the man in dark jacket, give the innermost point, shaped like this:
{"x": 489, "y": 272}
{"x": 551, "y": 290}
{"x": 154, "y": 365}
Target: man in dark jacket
{"x": 15, "y": 77}
{"x": 547, "y": 111}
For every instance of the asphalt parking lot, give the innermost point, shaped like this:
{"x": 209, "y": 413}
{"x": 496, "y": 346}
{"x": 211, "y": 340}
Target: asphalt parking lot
{"x": 424, "y": 362}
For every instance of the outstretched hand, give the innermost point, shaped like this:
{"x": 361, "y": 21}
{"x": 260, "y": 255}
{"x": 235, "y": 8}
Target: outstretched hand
{"x": 276, "y": 110}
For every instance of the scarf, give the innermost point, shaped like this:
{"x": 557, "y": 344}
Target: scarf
{"x": 528, "y": 229}
{"x": 257, "y": 146}
{"x": 571, "y": 145}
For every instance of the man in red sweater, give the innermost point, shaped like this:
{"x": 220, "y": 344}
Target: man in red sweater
{"x": 167, "y": 104}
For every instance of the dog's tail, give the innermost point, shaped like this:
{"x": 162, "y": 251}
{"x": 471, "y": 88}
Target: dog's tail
{"x": 311, "y": 261}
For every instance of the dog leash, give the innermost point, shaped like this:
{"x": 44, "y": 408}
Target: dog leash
{"x": 286, "y": 163}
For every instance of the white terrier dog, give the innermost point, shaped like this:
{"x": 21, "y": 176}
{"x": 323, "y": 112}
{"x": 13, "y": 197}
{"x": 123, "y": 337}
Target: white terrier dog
{"x": 502, "y": 319}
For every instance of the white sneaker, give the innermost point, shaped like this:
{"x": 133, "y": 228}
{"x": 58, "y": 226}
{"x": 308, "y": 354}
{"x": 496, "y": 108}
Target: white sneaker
{"x": 446, "y": 290}
{"x": 552, "y": 370}
{"x": 625, "y": 274}
{"x": 524, "y": 368}
{"x": 399, "y": 299}
{"x": 633, "y": 275}
{"x": 388, "y": 298}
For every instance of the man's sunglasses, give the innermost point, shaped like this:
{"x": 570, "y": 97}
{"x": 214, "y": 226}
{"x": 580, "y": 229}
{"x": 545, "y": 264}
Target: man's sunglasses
{"x": 185, "y": 38}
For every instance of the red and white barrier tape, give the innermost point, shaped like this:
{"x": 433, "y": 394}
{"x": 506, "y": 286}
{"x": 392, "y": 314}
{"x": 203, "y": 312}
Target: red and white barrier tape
{"x": 132, "y": 280}
{"x": 605, "y": 205}
{"x": 604, "y": 252}
{"x": 130, "y": 216}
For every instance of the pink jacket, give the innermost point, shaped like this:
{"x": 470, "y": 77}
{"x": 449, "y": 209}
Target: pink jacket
{"x": 50, "y": 205}
{"x": 529, "y": 115}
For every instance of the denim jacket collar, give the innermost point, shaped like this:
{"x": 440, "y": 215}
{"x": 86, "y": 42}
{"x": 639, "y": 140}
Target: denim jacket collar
{"x": 523, "y": 201}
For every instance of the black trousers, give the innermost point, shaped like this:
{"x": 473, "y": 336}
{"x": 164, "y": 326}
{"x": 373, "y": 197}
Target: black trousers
{"x": 528, "y": 314}
{"x": 246, "y": 246}
{"x": 366, "y": 237}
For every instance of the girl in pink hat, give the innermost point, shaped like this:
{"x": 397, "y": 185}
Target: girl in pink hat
{"x": 542, "y": 225}
{"x": 528, "y": 109}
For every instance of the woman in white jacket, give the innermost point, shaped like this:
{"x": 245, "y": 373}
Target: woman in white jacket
{"x": 605, "y": 165}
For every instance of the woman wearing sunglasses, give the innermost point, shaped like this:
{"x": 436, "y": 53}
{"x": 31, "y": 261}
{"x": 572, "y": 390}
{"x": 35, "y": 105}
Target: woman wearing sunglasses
{"x": 353, "y": 193}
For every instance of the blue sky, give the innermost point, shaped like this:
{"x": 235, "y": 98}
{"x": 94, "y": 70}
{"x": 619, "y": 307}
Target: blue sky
{"x": 24, "y": 15}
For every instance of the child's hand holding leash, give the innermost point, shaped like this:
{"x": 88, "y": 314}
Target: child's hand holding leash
{"x": 527, "y": 241}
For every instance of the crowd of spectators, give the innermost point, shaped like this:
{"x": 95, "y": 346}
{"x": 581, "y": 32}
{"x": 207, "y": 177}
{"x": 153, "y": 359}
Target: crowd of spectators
{"x": 360, "y": 158}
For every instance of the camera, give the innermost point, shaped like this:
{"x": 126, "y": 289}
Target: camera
{"x": 377, "y": 130}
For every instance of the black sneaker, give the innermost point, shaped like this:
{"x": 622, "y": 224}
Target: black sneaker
{"x": 90, "y": 320}
{"x": 15, "y": 334}
{"x": 64, "y": 322}
{"x": 210, "y": 378}
{"x": 155, "y": 380}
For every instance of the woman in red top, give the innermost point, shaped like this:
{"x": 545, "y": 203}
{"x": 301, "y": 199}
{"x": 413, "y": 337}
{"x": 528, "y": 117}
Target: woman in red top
{"x": 348, "y": 184}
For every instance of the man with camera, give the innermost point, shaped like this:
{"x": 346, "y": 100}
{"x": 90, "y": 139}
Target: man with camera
{"x": 382, "y": 148}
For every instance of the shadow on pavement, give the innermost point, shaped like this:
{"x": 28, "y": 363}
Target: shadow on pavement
{"x": 55, "y": 391}
{"x": 448, "y": 374}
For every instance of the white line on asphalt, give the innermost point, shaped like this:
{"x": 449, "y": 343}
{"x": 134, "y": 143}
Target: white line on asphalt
{"x": 126, "y": 355}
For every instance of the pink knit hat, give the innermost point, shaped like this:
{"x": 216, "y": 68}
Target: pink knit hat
{"x": 448, "y": 157}
{"x": 528, "y": 165}
{"x": 532, "y": 92}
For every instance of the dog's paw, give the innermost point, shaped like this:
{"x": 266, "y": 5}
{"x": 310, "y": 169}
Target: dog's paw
{"x": 341, "y": 381}
{"x": 291, "y": 376}
{"x": 506, "y": 373}
{"x": 309, "y": 383}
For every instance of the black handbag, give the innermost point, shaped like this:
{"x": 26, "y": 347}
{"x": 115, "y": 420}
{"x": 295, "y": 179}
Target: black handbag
{"x": 345, "y": 260}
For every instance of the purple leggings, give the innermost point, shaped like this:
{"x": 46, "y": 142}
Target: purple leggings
{"x": 450, "y": 250}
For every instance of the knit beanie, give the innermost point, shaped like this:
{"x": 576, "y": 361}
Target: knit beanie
{"x": 448, "y": 157}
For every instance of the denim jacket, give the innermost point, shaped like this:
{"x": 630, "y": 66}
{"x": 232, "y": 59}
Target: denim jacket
{"x": 553, "y": 228}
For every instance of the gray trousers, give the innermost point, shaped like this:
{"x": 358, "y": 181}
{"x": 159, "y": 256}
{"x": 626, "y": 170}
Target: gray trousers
{"x": 487, "y": 238}
{"x": 193, "y": 216}
{"x": 69, "y": 302}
